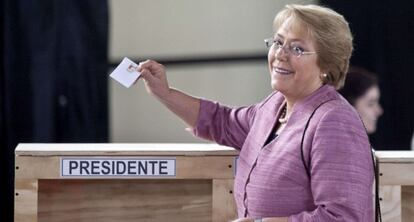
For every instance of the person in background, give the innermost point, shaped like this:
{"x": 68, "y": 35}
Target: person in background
{"x": 304, "y": 152}
{"x": 362, "y": 91}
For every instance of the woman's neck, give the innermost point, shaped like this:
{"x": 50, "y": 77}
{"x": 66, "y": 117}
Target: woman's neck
{"x": 292, "y": 100}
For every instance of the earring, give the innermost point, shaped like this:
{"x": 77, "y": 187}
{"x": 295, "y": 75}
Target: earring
{"x": 324, "y": 75}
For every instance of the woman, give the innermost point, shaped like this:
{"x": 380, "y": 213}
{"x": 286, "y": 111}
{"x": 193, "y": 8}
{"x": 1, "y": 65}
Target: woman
{"x": 362, "y": 91}
{"x": 326, "y": 175}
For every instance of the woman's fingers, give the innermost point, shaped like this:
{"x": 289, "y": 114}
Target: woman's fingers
{"x": 150, "y": 69}
{"x": 146, "y": 74}
{"x": 154, "y": 77}
{"x": 152, "y": 66}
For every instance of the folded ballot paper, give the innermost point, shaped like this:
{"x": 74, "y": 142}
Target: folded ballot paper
{"x": 126, "y": 72}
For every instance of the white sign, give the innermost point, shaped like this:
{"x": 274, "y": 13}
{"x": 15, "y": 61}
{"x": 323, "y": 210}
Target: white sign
{"x": 117, "y": 167}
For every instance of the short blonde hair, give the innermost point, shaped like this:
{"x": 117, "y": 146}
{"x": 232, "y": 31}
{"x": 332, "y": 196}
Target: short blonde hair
{"x": 332, "y": 36}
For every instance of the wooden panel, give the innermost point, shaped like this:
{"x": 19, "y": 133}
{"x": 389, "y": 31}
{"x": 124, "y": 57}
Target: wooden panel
{"x": 203, "y": 167}
{"x": 125, "y": 200}
{"x": 28, "y": 167}
{"x": 114, "y": 149}
{"x": 224, "y": 205}
{"x": 390, "y": 203}
{"x": 25, "y": 200}
{"x": 407, "y": 193}
{"x": 396, "y": 173}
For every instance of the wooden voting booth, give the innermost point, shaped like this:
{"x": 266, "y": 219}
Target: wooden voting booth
{"x": 159, "y": 182}
{"x": 124, "y": 182}
{"x": 396, "y": 180}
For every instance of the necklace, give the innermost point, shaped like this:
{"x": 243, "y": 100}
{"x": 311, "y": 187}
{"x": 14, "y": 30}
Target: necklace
{"x": 283, "y": 116}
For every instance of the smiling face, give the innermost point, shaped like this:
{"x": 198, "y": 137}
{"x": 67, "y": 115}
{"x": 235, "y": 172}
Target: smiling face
{"x": 295, "y": 77}
{"x": 369, "y": 108}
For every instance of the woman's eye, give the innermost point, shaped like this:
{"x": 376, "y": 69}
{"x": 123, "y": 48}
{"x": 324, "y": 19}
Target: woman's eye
{"x": 278, "y": 43}
{"x": 298, "y": 49}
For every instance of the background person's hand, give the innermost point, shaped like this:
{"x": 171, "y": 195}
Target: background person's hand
{"x": 155, "y": 78}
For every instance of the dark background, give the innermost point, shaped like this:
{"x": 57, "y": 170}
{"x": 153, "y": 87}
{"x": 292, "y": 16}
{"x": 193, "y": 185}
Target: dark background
{"x": 53, "y": 80}
{"x": 53, "y": 72}
{"x": 384, "y": 43}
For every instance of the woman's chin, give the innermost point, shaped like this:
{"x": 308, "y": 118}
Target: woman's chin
{"x": 276, "y": 85}
{"x": 371, "y": 130}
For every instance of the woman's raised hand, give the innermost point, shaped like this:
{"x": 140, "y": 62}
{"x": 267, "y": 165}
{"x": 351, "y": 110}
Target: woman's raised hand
{"x": 184, "y": 106}
{"x": 155, "y": 78}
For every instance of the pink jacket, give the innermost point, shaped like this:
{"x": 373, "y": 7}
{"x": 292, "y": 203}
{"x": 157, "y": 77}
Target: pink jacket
{"x": 271, "y": 180}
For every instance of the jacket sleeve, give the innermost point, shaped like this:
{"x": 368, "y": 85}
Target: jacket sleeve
{"x": 224, "y": 125}
{"x": 341, "y": 170}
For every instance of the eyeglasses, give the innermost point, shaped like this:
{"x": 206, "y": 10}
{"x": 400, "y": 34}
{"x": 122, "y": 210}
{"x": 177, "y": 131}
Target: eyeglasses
{"x": 290, "y": 49}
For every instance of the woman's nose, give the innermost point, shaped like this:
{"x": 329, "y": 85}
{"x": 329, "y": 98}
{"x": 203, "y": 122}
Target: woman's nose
{"x": 280, "y": 53}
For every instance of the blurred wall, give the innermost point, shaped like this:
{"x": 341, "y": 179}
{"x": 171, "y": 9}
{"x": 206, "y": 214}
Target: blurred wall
{"x": 183, "y": 30}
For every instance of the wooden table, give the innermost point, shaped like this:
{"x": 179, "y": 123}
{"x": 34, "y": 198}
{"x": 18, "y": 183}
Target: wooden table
{"x": 124, "y": 182}
{"x": 396, "y": 179}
